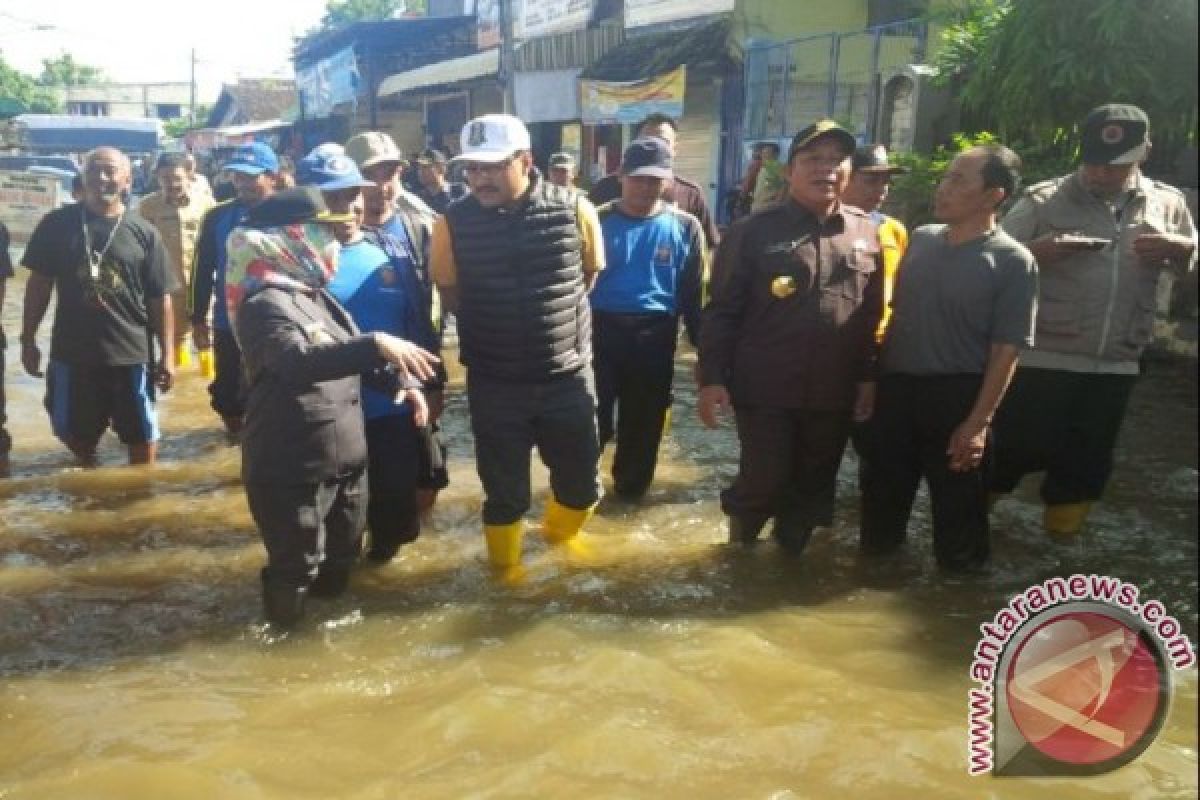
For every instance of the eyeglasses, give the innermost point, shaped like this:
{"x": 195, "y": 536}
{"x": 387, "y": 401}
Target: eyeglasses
{"x": 476, "y": 168}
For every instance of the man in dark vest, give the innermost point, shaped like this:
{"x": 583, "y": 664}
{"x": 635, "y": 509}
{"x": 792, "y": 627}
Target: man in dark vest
{"x": 514, "y": 261}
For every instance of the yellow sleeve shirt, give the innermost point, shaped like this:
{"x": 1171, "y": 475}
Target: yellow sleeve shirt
{"x": 893, "y": 241}
{"x": 444, "y": 269}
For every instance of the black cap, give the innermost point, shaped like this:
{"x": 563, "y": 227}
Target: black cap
{"x": 647, "y": 156}
{"x": 874, "y": 158}
{"x": 293, "y": 207}
{"x": 431, "y": 156}
{"x": 824, "y": 127}
{"x": 1115, "y": 134}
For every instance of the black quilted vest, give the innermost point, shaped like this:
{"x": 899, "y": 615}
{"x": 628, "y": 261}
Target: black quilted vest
{"x": 522, "y": 307}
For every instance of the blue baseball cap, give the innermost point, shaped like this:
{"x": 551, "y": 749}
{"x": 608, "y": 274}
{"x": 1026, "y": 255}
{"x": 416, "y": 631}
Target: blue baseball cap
{"x": 647, "y": 156}
{"x": 253, "y": 159}
{"x": 329, "y": 169}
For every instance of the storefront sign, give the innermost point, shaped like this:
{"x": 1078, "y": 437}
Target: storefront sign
{"x": 24, "y": 199}
{"x": 328, "y": 83}
{"x": 653, "y": 12}
{"x": 627, "y": 102}
{"x": 543, "y": 17}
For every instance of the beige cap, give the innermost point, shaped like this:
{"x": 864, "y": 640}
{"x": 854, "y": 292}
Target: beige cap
{"x": 372, "y": 147}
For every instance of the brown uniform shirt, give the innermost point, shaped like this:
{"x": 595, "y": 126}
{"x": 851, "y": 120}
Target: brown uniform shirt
{"x": 179, "y": 227}
{"x": 795, "y": 305}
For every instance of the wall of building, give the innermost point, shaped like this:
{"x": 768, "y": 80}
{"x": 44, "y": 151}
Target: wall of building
{"x": 699, "y": 136}
{"x": 776, "y": 21}
{"x": 128, "y": 99}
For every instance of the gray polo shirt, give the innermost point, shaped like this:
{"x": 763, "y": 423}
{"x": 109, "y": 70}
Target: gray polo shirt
{"x": 952, "y": 302}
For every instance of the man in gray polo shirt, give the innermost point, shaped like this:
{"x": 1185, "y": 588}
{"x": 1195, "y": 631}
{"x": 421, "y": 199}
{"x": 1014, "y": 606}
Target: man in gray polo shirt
{"x": 963, "y": 306}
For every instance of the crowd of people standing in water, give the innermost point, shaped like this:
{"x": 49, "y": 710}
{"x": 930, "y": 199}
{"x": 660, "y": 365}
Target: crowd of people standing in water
{"x": 967, "y": 353}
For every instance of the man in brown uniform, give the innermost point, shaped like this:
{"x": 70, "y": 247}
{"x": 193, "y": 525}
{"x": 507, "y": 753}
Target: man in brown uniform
{"x": 788, "y": 341}
{"x": 176, "y": 210}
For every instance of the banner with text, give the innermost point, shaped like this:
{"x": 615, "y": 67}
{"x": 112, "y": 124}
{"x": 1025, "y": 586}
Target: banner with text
{"x": 544, "y": 17}
{"x": 328, "y": 83}
{"x": 654, "y": 12}
{"x": 627, "y": 102}
{"x": 24, "y": 199}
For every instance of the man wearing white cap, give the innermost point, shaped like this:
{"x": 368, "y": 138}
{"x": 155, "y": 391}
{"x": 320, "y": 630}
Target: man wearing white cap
{"x": 1102, "y": 236}
{"x": 514, "y": 261}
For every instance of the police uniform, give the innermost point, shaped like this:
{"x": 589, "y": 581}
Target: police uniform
{"x": 1096, "y": 313}
{"x": 790, "y": 332}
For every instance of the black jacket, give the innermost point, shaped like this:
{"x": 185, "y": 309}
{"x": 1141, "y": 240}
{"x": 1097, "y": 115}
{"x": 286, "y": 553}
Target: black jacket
{"x": 303, "y": 358}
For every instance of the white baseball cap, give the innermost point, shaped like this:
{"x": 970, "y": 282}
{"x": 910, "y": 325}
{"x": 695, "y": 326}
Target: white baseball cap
{"x": 492, "y": 138}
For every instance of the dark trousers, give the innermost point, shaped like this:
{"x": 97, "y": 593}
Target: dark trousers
{"x": 310, "y": 527}
{"x": 509, "y": 419}
{"x": 393, "y": 463}
{"x": 5, "y": 439}
{"x": 634, "y": 365}
{"x": 906, "y": 440}
{"x": 1065, "y": 423}
{"x": 788, "y": 465}
{"x": 226, "y": 389}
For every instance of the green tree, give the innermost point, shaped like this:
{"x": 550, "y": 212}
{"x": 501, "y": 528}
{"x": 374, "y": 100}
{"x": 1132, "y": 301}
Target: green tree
{"x": 176, "y": 128}
{"x": 344, "y": 12}
{"x": 1030, "y": 70}
{"x": 23, "y": 93}
{"x": 66, "y": 71}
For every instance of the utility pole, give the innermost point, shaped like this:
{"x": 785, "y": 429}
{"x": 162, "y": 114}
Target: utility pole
{"x": 192, "y": 103}
{"x": 507, "y": 54}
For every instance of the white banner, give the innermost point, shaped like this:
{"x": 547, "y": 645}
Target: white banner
{"x": 544, "y": 17}
{"x": 653, "y": 12}
{"x": 550, "y": 96}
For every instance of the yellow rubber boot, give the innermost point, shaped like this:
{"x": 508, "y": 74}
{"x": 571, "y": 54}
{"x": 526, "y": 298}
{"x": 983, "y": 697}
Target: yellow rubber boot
{"x": 504, "y": 550}
{"x": 183, "y": 356}
{"x": 562, "y": 526}
{"x": 1065, "y": 519}
{"x": 208, "y": 368}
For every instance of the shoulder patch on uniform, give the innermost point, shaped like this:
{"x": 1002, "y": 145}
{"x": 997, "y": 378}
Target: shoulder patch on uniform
{"x": 1043, "y": 189}
{"x": 1166, "y": 187}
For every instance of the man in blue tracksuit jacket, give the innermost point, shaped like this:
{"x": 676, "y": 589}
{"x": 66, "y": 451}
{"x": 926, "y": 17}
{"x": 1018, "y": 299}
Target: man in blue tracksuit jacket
{"x": 253, "y": 168}
{"x": 656, "y": 263}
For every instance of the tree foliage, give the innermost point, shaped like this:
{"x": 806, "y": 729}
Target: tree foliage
{"x": 1030, "y": 70}
{"x": 24, "y": 93}
{"x": 66, "y": 71}
{"x": 176, "y": 128}
{"x": 344, "y": 12}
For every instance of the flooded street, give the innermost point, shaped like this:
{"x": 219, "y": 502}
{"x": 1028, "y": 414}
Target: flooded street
{"x": 133, "y": 663}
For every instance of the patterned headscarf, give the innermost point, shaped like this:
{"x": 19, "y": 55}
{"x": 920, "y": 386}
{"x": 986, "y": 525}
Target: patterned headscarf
{"x": 300, "y": 257}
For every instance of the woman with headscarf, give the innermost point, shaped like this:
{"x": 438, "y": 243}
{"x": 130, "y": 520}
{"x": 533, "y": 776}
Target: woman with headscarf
{"x": 304, "y": 451}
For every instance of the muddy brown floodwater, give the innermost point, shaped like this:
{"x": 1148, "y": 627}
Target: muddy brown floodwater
{"x": 133, "y": 663}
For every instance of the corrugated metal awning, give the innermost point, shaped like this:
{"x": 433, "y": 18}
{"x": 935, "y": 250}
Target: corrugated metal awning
{"x": 252, "y": 127}
{"x": 476, "y": 65}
